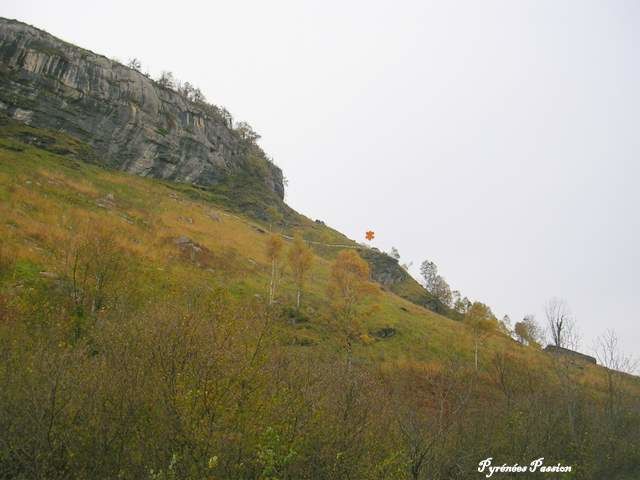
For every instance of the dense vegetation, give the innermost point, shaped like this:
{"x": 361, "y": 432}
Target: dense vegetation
{"x": 145, "y": 332}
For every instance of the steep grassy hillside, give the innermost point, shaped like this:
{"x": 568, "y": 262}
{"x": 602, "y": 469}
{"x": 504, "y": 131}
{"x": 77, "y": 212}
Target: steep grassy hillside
{"x": 168, "y": 362}
{"x": 50, "y": 195}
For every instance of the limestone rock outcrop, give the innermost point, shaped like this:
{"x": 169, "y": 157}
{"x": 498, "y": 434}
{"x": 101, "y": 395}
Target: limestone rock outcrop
{"x": 131, "y": 122}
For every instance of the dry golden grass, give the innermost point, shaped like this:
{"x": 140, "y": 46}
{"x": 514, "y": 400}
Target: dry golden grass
{"x": 47, "y": 204}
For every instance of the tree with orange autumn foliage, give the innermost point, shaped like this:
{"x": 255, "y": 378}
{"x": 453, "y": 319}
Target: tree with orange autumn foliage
{"x": 349, "y": 287}
{"x": 300, "y": 259}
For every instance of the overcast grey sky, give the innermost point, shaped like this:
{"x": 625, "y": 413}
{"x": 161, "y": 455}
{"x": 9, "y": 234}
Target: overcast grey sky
{"x": 499, "y": 139}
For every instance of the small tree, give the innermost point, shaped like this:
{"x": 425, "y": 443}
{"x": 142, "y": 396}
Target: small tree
{"x": 481, "y": 321}
{"x": 187, "y": 90}
{"x": 428, "y": 423}
{"x": 349, "y": 286}
{"x": 92, "y": 267}
{"x": 455, "y": 299}
{"x": 610, "y": 355}
{"x": 394, "y": 253}
{"x": 300, "y": 259}
{"x": 135, "y": 64}
{"x": 429, "y": 272}
{"x": 528, "y": 332}
{"x": 561, "y": 325}
{"x": 436, "y": 284}
{"x": 460, "y": 305}
{"x": 274, "y": 215}
{"x": 197, "y": 96}
{"x": 406, "y": 266}
{"x": 616, "y": 364}
{"x": 226, "y": 117}
{"x": 167, "y": 80}
{"x": 247, "y": 132}
{"x": 274, "y": 252}
{"x": 442, "y": 291}
{"x": 505, "y": 325}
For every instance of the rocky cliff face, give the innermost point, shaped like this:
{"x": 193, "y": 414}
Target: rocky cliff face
{"x": 131, "y": 122}
{"x": 384, "y": 269}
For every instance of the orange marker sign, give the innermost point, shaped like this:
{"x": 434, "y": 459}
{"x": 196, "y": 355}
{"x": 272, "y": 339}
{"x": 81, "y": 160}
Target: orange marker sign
{"x": 369, "y": 235}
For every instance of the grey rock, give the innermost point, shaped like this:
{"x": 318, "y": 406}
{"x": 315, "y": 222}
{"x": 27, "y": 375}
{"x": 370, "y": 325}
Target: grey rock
{"x": 385, "y": 332}
{"x": 570, "y": 354}
{"x": 182, "y": 240}
{"x": 189, "y": 248}
{"x": 108, "y": 202}
{"x": 215, "y": 217}
{"x": 384, "y": 269}
{"x": 132, "y": 123}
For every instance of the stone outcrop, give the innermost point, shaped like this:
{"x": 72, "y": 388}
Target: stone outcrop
{"x": 570, "y": 353}
{"x": 384, "y": 269}
{"x": 131, "y": 122}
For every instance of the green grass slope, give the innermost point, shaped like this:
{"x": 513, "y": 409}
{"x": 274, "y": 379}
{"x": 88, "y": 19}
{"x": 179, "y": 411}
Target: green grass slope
{"x": 47, "y": 189}
{"x": 136, "y": 342}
